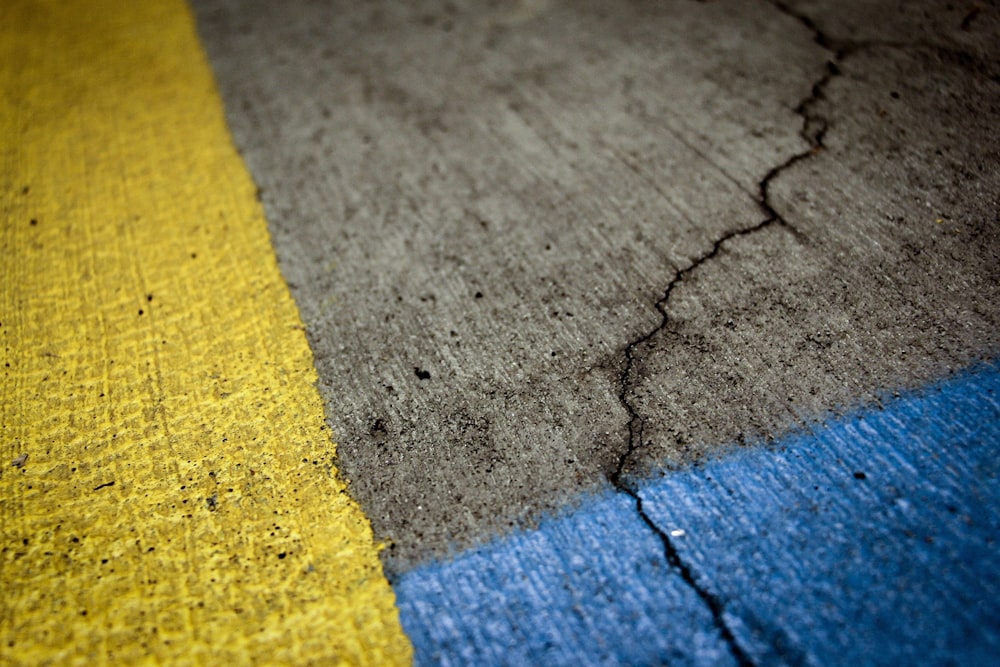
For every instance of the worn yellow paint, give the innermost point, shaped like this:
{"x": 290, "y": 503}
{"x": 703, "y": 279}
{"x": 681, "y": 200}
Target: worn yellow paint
{"x": 179, "y": 501}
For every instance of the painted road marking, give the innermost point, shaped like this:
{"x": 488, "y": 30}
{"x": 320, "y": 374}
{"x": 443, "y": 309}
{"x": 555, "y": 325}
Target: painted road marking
{"x": 872, "y": 540}
{"x": 167, "y": 485}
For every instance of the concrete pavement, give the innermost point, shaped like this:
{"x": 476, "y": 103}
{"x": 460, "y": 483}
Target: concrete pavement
{"x": 542, "y": 248}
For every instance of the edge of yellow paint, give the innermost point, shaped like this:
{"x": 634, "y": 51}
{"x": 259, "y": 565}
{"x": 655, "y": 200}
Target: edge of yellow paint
{"x": 179, "y": 500}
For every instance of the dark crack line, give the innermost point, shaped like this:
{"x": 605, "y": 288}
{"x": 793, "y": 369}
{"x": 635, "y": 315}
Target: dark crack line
{"x": 813, "y": 132}
{"x": 841, "y": 48}
{"x": 636, "y": 427}
{"x": 814, "y": 126}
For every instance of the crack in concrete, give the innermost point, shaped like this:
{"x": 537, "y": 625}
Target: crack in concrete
{"x": 813, "y": 131}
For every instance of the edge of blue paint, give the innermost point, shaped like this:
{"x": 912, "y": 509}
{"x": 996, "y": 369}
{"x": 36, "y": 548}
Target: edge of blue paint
{"x": 872, "y": 539}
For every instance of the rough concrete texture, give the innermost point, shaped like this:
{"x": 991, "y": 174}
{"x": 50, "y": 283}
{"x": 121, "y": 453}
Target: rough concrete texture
{"x": 547, "y": 246}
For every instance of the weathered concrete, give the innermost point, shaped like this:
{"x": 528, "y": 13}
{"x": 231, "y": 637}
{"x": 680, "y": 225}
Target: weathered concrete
{"x": 478, "y": 206}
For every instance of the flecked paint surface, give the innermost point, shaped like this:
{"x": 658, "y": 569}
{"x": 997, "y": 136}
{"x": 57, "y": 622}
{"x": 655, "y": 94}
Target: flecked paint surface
{"x": 168, "y": 490}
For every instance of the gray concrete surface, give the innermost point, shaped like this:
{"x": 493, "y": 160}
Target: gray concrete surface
{"x": 542, "y": 247}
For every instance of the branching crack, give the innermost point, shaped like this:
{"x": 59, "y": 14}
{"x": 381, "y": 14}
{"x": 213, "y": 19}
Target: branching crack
{"x": 813, "y": 132}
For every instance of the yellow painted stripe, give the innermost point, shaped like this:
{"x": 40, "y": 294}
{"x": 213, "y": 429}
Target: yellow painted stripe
{"x": 179, "y": 501}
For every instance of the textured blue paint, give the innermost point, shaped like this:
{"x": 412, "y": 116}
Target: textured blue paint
{"x": 592, "y": 588}
{"x": 815, "y": 565}
{"x": 812, "y": 564}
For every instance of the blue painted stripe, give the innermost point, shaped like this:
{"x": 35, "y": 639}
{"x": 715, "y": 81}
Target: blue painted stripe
{"x": 872, "y": 540}
{"x": 590, "y": 588}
